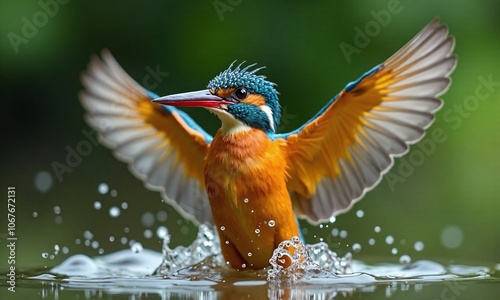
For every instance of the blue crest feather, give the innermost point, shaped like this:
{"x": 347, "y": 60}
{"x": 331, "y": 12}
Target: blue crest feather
{"x": 256, "y": 84}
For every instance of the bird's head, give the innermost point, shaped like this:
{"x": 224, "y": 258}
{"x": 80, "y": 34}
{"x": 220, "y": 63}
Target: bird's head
{"x": 241, "y": 98}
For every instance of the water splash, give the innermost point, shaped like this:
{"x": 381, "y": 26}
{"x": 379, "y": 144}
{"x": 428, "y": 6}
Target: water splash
{"x": 293, "y": 260}
{"x": 205, "y": 246}
{"x": 297, "y": 271}
{"x": 203, "y": 256}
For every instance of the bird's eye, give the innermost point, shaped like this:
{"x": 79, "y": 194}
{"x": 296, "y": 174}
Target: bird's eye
{"x": 241, "y": 93}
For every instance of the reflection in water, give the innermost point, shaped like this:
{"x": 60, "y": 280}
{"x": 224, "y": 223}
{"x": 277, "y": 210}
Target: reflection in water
{"x": 198, "y": 272}
{"x": 127, "y": 273}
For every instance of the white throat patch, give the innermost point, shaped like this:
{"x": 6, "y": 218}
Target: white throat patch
{"x": 269, "y": 114}
{"x": 230, "y": 125}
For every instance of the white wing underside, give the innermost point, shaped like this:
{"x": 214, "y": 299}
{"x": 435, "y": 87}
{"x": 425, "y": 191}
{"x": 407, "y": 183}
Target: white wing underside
{"x": 421, "y": 69}
{"x": 111, "y": 99}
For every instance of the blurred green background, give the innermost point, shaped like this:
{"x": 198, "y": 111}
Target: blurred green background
{"x": 446, "y": 197}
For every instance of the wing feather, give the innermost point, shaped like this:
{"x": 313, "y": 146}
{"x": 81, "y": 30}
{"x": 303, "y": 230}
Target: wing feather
{"x": 341, "y": 153}
{"x": 163, "y": 146}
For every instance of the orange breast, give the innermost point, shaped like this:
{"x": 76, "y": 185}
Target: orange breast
{"x": 245, "y": 177}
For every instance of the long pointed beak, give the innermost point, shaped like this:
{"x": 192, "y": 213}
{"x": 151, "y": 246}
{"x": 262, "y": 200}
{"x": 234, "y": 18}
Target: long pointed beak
{"x": 201, "y": 98}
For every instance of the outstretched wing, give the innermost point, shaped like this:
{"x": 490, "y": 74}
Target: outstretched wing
{"x": 344, "y": 150}
{"x": 163, "y": 146}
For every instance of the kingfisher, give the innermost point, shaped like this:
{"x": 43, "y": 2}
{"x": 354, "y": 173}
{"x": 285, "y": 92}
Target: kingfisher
{"x": 250, "y": 181}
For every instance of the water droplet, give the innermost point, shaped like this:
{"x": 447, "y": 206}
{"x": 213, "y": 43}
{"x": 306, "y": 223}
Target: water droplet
{"x": 101, "y": 251}
{"x": 161, "y": 216}
{"x": 245, "y": 200}
{"x": 111, "y": 238}
{"x": 88, "y": 235}
{"x": 335, "y": 232}
{"x": 58, "y": 220}
{"x": 332, "y": 219}
{"x": 51, "y": 256}
{"x": 249, "y": 254}
{"x": 124, "y": 205}
{"x": 78, "y": 241}
{"x": 97, "y": 205}
{"x": 371, "y": 242}
{"x": 57, "y": 210}
{"x": 405, "y": 259}
{"x": 356, "y": 247}
{"x": 43, "y": 181}
{"x": 114, "y": 212}
{"x": 243, "y": 266}
{"x": 321, "y": 226}
{"x": 126, "y": 229}
{"x": 123, "y": 240}
{"x": 45, "y": 255}
{"x": 394, "y": 251}
{"x": 389, "y": 240}
{"x": 257, "y": 231}
{"x": 452, "y": 237}
{"x": 95, "y": 244}
{"x": 419, "y": 246}
{"x": 148, "y": 234}
{"x": 377, "y": 229}
{"x": 113, "y": 193}
{"x": 227, "y": 242}
{"x": 222, "y": 228}
{"x": 56, "y": 248}
{"x": 271, "y": 223}
{"x": 147, "y": 219}
{"x": 343, "y": 234}
{"x": 136, "y": 247}
{"x": 102, "y": 188}
{"x": 360, "y": 214}
{"x": 161, "y": 232}
{"x": 35, "y": 214}
{"x": 252, "y": 211}
{"x": 65, "y": 250}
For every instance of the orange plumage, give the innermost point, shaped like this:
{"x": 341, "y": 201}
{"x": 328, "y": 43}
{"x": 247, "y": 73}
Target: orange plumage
{"x": 245, "y": 177}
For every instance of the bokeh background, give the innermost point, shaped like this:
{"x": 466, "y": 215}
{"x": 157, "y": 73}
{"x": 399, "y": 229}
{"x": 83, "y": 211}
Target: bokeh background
{"x": 444, "y": 197}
